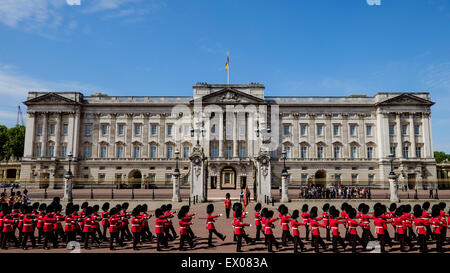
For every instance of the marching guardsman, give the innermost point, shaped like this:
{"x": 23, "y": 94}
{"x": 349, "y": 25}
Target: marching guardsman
{"x": 136, "y": 227}
{"x": 159, "y": 229}
{"x": 442, "y": 216}
{"x": 88, "y": 227}
{"x": 401, "y": 227}
{"x": 84, "y": 206}
{"x": 381, "y": 226}
{"x": 146, "y": 233}
{"x": 344, "y": 215}
{"x": 49, "y": 221}
{"x": 96, "y": 226}
{"x": 105, "y": 218}
{"x": 316, "y": 239}
{"x": 40, "y": 222}
{"x": 227, "y": 205}
{"x": 2, "y": 215}
{"x": 334, "y": 226}
{"x": 258, "y": 222}
{"x": 69, "y": 222}
{"x": 18, "y": 214}
{"x": 285, "y": 220}
{"x": 305, "y": 216}
{"x": 352, "y": 225}
{"x": 437, "y": 224}
{"x": 188, "y": 218}
{"x": 57, "y": 227}
{"x": 295, "y": 231}
{"x": 124, "y": 229}
{"x": 268, "y": 226}
{"x": 365, "y": 221}
{"x": 263, "y": 220}
{"x": 76, "y": 222}
{"x": 426, "y": 215}
{"x": 114, "y": 223}
{"x": 169, "y": 223}
{"x": 326, "y": 219}
{"x": 239, "y": 230}
{"x": 27, "y": 228}
{"x": 184, "y": 236}
{"x": 420, "y": 224}
{"x": 210, "y": 224}
{"x": 8, "y": 228}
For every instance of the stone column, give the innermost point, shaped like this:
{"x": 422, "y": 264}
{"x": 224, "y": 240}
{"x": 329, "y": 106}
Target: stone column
{"x": 399, "y": 135}
{"x": 162, "y": 135}
{"x": 284, "y": 187}
{"x": 76, "y": 134}
{"x": 129, "y": 136}
{"x": 145, "y": 133}
{"x": 412, "y": 137}
{"x": 176, "y": 187}
{"x": 95, "y": 135}
{"x": 393, "y": 187}
{"x": 426, "y": 135}
{"x": 221, "y": 133}
{"x": 235, "y": 134}
{"x": 29, "y": 134}
{"x": 112, "y": 135}
{"x": 250, "y": 136}
{"x": 44, "y": 152}
{"x": 312, "y": 136}
{"x": 345, "y": 148}
{"x": 263, "y": 177}
{"x": 58, "y": 135}
{"x": 328, "y": 134}
{"x": 67, "y": 187}
{"x": 361, "y": 136}
{"x": 295, "y": 134}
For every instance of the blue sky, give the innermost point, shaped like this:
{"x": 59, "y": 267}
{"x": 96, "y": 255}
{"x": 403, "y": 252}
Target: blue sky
{"x": 163, "y": 47}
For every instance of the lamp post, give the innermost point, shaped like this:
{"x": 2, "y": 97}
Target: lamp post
{"x": 68, "y": 181}
{"x": 176, "y": 179}
{"x": 284, "y": 175}
{"x": 393, "y": 181}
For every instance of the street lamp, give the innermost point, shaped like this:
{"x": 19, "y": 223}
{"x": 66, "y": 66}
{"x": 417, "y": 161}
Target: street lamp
{"x": 176, "y": 171}
{"x": 68, "y": 185}
{"x": 284, "y": 172}
{"x": 391, "y": 159}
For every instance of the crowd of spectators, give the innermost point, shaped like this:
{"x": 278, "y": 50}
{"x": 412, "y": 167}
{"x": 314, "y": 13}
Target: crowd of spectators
{"x": 335, "y": 192}
{"x": 12, "y": 197}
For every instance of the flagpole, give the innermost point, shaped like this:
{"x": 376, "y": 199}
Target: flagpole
{"x": 228, "y": 70}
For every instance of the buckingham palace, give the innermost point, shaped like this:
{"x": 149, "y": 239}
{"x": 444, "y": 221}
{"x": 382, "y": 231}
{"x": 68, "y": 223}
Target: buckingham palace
{"x": 229, "y": 136}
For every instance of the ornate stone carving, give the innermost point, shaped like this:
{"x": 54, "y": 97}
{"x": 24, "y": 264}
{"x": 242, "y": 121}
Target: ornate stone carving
{"x": 230, "y": 97}
{"x": 264, "y": 160}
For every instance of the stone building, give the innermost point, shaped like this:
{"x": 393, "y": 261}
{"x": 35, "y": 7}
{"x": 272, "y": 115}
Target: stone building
{"x": 240, "y": 134}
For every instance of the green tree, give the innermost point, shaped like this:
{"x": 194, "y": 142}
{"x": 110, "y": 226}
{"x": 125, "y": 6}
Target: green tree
{"x": 15, "y": 142}
{"x": 3, "y": 139}
{"x": 441, "y": 156}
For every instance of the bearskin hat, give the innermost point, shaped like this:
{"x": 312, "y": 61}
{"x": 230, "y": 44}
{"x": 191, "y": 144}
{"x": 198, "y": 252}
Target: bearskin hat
{"x": 209, "y": 208}
{"x": 258, "y": 206}
{"x": 105, "y": 207}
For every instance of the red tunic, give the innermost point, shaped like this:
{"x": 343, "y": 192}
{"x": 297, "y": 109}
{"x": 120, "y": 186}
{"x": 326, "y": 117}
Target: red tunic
{"x": 183, "y": 226}
{"x": 159, "y": 225}
{"x": 239, "y": 227}
{"x": 257, "y": 218}
{"x": 76, "y": 218}
{"x": 268, "y": 225}
{"x": 315, "y": 226}
{"x": 352, "y": 225}
{"x": 27, "y": 224}
{"x": 334, "y": 224}
{"x": 105, "y": 217}
{"x": 305, "y": 217}
{"x": 8, "y": 225}
{"x": 210, "y": 221}
{"x": 69, "y": 220}
{"x": 380, "y": 225}
{"x": 420, "y": 225}
{"x": 295, "y": 226}
{"x": 58, "y": 219}
{"x": 437, "y": 225}
{"x": 136, "y": 224}
{"x": 227, "y": 203}
{"x": 40, "y": 222}
{"x": 114, "y": 224}
{"x": 399, "y": 225}
{"x": 365, "y": 220}
{"x": 49, "y": 220}
{"x": 325, "y": 217}
{"x": 285, "y": 220}
{"x": 88, "y": 224}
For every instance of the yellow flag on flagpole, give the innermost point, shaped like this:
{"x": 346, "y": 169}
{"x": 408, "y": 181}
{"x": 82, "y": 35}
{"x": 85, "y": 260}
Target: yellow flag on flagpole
{"x": 228, "y": 61}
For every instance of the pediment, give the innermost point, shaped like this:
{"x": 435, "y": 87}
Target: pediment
{"x": 406, "y": 99}
{"x": 231, "y": 96}
{"x": 50, "y": 98}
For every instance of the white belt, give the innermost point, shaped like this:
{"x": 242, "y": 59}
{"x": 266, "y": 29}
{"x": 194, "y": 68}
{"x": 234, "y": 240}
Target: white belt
{"x": 352, "y": 227}
{"x": 48, "y": 223}
{"x": 112, "y": 225}
{"x": 334, "y": 228}
{"x": 135, "y": 225}
{"x": 210, "y": 223}
{"x": 87, "y": 225}
{"x": 158, "y": 226}
{"x": 284, "y": 223}
{"x": 294, "y": 228}
{"x": 379, "y": 227}
{"x": 182, "y": 227}
{"x": 314, "y": 227}
{"x": 237, "y": 227}
{"x": 27, "y": 224}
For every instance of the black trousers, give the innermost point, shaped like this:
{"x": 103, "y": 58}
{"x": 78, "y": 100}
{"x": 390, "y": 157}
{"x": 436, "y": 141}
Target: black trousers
{"x": 382, "y": 240}
{"x": 439, "y": 242}
{"x": 318, "y": 240}
{"x": 25, "y": 237}
{"x": 40, "y": 234}
{"x": 7, "y": 236}
{"x": 174, "y": 234}
{"x": 136, "y": 239}
{"x": 211, "y": 231}
{"x": 161, "y": 240}
{"x": 50, "y": 236}
{"x": 227, "y": 212}
{"x": 402, "y": 238}
{"x": 270, "y": 241}
{"x": 125, "y": 232}
{"x": 412, "y": 236}
{"x": 105, "y": 228}
{"x": 70, "y": 236}
{"x": 59, "y": 233}
{"x": 99, "y": 232}
{"x": 239, "y": 240}
{"x": 93, "y": 237}
{"x": 307, "y": 232}
{"x": 422, "y": 242}
{"x": 298, "y": 241}
{"x": 146, "y": 234}
{"x": 258, "y": 232}
{"x": 185, "y": 238}
{"x": 336, "y": 240}
{"x": 387, "y": 238}
{"x": 114, "y": 236}
{"x": 354, "y": 238}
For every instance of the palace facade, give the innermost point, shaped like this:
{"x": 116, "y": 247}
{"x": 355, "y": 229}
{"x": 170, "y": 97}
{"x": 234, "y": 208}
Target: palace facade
{"x": 327, "y": 140}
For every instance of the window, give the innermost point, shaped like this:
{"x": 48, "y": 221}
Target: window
{"x": 320, "y": 152}
{"x": 304, "y": 178}
{"x": 152, "y": 152}
{"x": 371, "y": 178}
{"x": 103, "y": 151}
{"x": 186, "y": 130}
{"x": 51, "y": 150}
{"x": 229, "y": 130}
{"x": 154, "y": 130}
{"x": 168, "y": 177}
{"x": 242, "y": 130}
{"x": 393, "y": 152}
{"x": 354, "y": 168}
{"x": 137, "y": 129}
{"x": 213, "y": 129}
{"x": 404, "y": 129}
{"x": 352, "y": 130}
{"x": 65, "y": 129}
{"x": 87, "y": 130}
{"x": 391, "y": 129}
{"x": 121, "y": 127}
{"x": 169, "y": 151}
{"x": 353, "y": 152}
{"x": 337, "y": 151}
{"x": 417, "y": 129}
{"x": 38, "y": 150}
{"x": 288, "y": 151}
{"x": 354, "y": 179}
{"x": 87, "y": 151}
{"x": 119, "y": 151}
{"x": 368, "y": 130}
{"x": 418, "y": 152}
{"x": 186, "y": 151}
{"x": 169, "y": 129}
{"x": 304, "y": 168}
{"x": 136, "y": 152}
{"x": 303, "y": 151}
{"x": 337, "y": 168}
{"x": 242, "y": 152}
{"x": 39, "y": 129}
{"x": 369, "y": 152}
{"x": 229, "y": 151}
{"x": 286, "y": 130}
{"x": 336, "y": 129}
{"x": 104, "y": 129}
{"x": 63, "y": 151}
{"x": 405, "y": 151}
{"x": 319, "y": 130}
{"x": 52, "y": 129}
{"x": 214, "y": 151}
{"x": 303, "y": 130}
